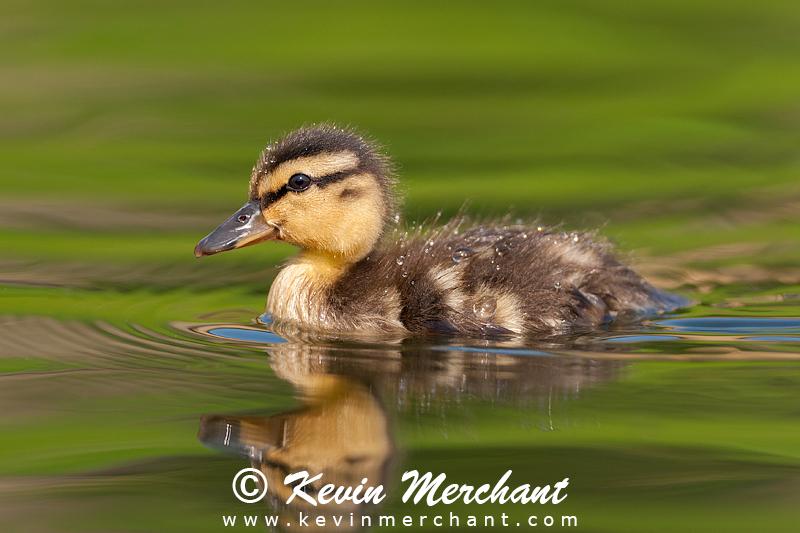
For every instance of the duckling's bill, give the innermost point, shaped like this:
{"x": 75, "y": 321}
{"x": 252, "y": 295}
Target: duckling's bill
{"x": 245, "y": 227}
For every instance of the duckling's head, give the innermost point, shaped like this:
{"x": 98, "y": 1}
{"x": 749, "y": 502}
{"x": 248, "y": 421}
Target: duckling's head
{"x": 324, "y": 189}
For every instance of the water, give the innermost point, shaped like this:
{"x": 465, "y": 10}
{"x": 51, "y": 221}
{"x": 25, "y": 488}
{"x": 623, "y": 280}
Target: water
{"x": 678, "y": 422}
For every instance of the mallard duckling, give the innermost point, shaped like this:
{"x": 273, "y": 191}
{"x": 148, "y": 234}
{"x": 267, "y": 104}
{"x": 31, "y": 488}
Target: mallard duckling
{"x": 330, "y": 192}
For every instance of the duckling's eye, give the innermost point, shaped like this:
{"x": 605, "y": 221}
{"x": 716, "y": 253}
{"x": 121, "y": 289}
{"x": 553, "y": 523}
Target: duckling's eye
{"x": 298, "y": 182}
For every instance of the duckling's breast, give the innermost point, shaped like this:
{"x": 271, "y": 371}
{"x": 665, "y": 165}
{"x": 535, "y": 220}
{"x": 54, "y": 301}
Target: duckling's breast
{"x": 307, "y": 292}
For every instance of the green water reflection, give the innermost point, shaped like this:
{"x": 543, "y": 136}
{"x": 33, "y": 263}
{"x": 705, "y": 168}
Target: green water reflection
{"x": 105, "y": 427}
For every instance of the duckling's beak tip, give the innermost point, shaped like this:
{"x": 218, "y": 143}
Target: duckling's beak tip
{"x": 200, "y": 250}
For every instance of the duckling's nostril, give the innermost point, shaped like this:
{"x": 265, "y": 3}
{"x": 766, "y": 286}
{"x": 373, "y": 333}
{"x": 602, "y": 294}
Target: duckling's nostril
{"x": 243, "y": 218}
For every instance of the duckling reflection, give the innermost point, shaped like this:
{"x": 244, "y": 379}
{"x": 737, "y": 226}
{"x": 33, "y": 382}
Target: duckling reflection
{"x": 343, "y": 430}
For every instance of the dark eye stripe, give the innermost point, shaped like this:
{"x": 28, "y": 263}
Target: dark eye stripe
{"x": 272, "y": 197}
{"x": 321, "y": 182}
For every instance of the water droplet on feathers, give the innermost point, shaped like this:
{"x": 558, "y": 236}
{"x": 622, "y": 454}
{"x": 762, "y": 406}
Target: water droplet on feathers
{"x": 485, "y": 307}
{"x": 462, "y": 253}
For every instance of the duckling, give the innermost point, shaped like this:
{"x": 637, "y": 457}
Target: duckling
{"x": 331, "y": 193}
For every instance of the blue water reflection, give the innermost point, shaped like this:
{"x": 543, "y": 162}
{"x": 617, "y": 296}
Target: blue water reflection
{"x": 732, "y": 325}
{"x": 246, "y": 334}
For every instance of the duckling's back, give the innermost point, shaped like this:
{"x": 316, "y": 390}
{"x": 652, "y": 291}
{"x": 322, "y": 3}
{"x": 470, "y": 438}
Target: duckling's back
{"x": 491, "y": 279}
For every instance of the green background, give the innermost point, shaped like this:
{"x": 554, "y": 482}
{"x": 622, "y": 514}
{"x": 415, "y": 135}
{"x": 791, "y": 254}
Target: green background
{"x": 129, "y": 128}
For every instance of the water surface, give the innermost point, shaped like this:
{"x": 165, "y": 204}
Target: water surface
{"x": 679, "y": 422}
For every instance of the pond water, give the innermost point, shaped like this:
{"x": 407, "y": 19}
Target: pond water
{"x": 685, "y": 422}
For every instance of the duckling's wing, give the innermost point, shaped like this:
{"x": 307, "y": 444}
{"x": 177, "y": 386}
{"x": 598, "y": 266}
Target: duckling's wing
{"x": 515, "y": 278}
